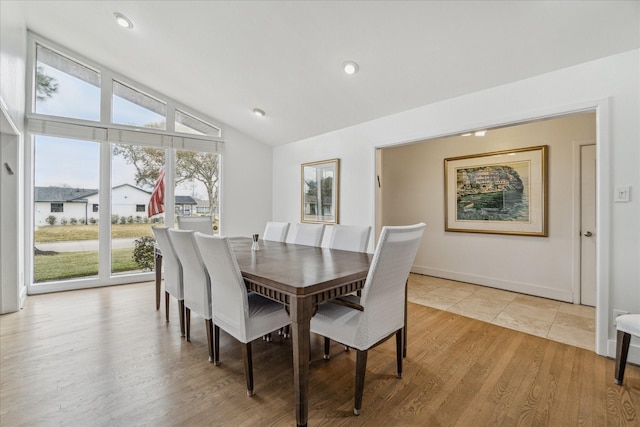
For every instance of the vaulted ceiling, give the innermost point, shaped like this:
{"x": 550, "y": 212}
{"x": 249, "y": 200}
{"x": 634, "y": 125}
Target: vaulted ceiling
{"x": 225, "y": 58}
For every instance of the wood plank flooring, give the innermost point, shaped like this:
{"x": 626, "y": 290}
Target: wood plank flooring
{"x": 106, "y": 357}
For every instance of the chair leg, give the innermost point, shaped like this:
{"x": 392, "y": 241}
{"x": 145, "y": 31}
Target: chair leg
{"x": 622, "y": 350}
{"x": 209, "y": 325}
{"x": 216, "y": 345}
{"x": 248, "y": 367}
{"x": 399, "y": 350}
{"x": 182, "y": 316}
{"x": 327, "y": 344}
{"x": 286, "y": 332}
{"x": 361, "y": 368}
{"x": 404, "y": 334}
{"x": 166, "y": 305}
{"x": 187, "y": 322}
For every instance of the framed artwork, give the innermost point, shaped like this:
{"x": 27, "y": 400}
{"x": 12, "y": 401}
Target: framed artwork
{"x": 503, "y": 192}
{"x": 320, "y": 191}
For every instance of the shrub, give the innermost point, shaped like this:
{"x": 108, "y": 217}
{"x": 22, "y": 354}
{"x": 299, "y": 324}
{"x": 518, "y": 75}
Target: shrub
{"x": 144, "y": 252}
{"x": 63, "y": 221}
{"x": 130, "y": 219}
{"x": 123, "y": 220}
{"x": 114, "y": 219}
{"x": 82, "y": 221}
{"x": 73, "y": 221}
{"x": 92, "y": 220}
{"x": 51, "y": 220}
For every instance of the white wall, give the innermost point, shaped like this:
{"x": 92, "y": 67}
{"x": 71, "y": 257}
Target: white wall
{"x": 13, "y": 47}
{"x": 13, "y": 58}
{"x": 413, "y": 190}
{"x": 245, "y": 197}
{"x": 610, "y": 83}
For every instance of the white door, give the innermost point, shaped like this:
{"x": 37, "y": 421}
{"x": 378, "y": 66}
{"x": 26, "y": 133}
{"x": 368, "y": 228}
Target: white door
{"x": 588, "y": 225}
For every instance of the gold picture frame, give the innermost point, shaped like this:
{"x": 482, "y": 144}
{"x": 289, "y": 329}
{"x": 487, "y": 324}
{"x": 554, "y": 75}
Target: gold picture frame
{"x": 320, "y": 207}
{"x": 502, "y": 192}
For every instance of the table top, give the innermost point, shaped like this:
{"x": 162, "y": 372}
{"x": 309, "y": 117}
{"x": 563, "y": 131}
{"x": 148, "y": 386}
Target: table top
{"x": 297, "y": 269}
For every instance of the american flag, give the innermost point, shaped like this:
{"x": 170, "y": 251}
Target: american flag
{"x": 156, "y": 204}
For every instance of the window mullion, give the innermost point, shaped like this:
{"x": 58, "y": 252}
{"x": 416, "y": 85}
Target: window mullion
{"x": 104, "y": 213}
{"x": 106, "y": 89}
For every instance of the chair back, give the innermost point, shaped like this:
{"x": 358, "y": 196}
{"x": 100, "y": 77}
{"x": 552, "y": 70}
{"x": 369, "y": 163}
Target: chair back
{"x": 172, "y": 267}
{"x": 197, "y": 291}
{"x": 196, "y": 223}
{"x": 309, "y": 234}
{"x": 350, "y": 237}
{"x": 276, "y": 231}
{"x": 228, "y": 291}
{"x": 383, "y": 295}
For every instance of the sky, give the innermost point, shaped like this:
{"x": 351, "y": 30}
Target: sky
{"x": 64, "y": 162}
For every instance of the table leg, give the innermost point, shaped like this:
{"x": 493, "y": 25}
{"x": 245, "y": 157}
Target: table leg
{"x": 301, "y": 311}
{"x": 158, "y": 278}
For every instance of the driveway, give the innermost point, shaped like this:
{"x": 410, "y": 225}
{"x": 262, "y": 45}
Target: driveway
{"x": 83, "y": 245}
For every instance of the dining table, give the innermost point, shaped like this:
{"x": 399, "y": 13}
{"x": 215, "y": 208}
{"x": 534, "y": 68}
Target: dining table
{"x": 300, "y": 277}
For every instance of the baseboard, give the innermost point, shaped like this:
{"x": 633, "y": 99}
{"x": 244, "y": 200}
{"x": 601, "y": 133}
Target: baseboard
{"x": 524, "y": 288}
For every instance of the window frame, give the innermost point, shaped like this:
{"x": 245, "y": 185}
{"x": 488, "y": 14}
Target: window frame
{"x": 107, "y": 134}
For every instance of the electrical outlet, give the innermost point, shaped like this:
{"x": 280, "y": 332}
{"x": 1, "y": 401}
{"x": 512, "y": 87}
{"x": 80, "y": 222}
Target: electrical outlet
{"x": 617, "y": 313}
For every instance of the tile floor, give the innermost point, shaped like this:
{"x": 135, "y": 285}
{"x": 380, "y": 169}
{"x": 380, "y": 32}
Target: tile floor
{"x": 559, "y": 321}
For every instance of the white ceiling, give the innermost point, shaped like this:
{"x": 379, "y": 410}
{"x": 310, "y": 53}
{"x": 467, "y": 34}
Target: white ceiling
{"x": 224, "y": 58}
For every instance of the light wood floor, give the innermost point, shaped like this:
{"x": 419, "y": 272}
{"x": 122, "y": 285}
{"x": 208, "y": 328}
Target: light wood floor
{"x": 106, "y": 357}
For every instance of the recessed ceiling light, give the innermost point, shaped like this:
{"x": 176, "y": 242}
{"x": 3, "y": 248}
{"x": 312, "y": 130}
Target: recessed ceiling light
{"x": 467, "y": 134}
{"x": 350, "y": 67}
{"x": 258, "y": 112}
{"x": 481, "y": 133}
{"x": 123, "y": 21}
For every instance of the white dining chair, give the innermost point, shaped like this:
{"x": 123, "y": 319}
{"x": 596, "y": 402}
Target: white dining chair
{"x": 173, "y": 284}
{"x": 245, "y": 316}
{"x": 350, "y": 237}
{"x": 197, "y": 287}
{"x": 366, "y": 321}
{"x": 309, "y": 234}
{"x": 196, "y": 223}
{"x": 276, "y": 231}
{"x": 626, "y": 325}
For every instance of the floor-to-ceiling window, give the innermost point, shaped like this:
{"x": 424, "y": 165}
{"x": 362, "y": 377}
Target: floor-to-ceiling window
{"x": 98, "y": 145}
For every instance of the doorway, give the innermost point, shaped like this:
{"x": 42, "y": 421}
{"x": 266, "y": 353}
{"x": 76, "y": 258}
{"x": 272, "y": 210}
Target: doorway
{"x": 410, "y": 188}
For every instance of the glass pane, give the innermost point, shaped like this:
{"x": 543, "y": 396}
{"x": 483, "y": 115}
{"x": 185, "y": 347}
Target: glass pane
{"x": 65, "y": 226}
{"x": 197, "y": 184}
{"x": 134, "y": 172}
{"x": 186, "y": 123}
{"x": 133, "y": 108}
{"x": 65, "y": 88}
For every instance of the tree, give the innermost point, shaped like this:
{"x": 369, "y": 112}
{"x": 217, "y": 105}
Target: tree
{"x": 190, "y": 166}
{"x": 46, "y": 86}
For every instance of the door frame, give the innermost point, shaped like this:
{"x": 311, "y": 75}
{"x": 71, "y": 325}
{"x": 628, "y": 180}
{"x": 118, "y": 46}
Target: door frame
{"x": 576, "y": 220}
{"x": 605, "y": 346}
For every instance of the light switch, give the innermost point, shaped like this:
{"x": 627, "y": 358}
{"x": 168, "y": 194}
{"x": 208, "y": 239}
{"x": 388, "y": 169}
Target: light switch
{"x": 622, "y": 193}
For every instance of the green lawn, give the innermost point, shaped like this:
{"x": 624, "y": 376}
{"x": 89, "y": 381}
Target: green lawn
{"x": 66, "y": 265}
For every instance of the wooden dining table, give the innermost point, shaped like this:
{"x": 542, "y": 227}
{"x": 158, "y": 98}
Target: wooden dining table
{"x": 300, "y": 277}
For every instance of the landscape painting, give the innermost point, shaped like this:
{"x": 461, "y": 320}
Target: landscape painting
{"x": 499, "y": 192}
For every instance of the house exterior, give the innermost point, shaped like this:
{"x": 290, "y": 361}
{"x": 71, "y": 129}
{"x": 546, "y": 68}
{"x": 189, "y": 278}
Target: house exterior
{"x": 185, "y": 205}
{"x": 81, "y": 205}
{"x": 62, "y": 203}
